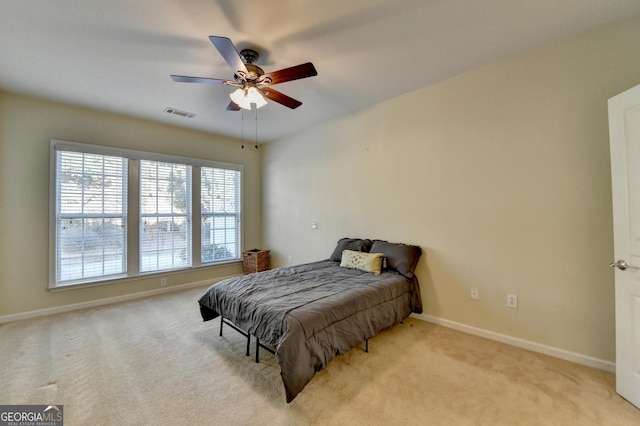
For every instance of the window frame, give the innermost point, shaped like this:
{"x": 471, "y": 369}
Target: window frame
{"x": 133, "y": 212}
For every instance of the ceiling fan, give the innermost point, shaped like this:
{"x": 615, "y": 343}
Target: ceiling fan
{"x": 252, "y": 82}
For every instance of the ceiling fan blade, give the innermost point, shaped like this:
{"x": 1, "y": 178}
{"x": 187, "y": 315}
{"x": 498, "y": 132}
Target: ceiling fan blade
{"x": 293, "y": 73}
{"x": 280, "y": 98}
{"x": 186, "y": 79}
{"x": 229, "y": 53}
{"x": 233, "y": 106}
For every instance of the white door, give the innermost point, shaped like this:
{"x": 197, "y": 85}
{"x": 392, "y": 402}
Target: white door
{"x": 624, "y": 131}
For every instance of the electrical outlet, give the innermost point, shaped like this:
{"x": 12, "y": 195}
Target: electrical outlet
{"x": 163, "y": 282}
{"x": 512, "y": 300}
{"x": 474, "y": 293}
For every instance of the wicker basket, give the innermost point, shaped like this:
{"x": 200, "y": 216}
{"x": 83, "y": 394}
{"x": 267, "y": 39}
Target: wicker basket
{"x": 255, "y": 260}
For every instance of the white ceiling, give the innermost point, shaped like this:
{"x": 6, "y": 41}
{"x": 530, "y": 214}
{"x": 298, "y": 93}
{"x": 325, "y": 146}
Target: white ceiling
{"x": 117, "y": 55}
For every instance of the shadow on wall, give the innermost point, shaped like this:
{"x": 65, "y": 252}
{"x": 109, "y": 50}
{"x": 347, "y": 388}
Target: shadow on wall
{"x": 430, "y": 302}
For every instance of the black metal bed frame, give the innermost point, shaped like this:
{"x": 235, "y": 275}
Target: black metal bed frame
{"x": 259, "y": 345}
{"x": 223, "y": 321}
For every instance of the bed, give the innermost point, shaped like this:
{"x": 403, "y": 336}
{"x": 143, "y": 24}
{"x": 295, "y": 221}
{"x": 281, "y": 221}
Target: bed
{"x": 308, "y": 314}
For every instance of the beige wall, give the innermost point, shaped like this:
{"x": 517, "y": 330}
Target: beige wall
{"x": 501, "y": 175}
{"x": 26, "y": 126}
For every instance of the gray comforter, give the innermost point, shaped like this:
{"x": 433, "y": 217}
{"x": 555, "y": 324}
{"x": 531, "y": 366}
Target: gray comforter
{"x": 310, "y": 313}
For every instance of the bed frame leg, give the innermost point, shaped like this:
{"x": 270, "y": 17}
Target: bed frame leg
{"x": 366, "y": 345}
{"x": 239, "y": 331}
{"x": 257, "y": 350}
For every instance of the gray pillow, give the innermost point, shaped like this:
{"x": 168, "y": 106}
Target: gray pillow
{"x": 355, "y": 244}
{"x": 401, "y": 258}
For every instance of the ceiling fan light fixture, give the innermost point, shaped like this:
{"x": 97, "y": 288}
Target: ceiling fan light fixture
{"x": 237, "y": 97}
{"x": 244, "y": 97}
{"x": 255, "y": 97}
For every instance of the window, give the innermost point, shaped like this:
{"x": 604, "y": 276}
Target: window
{"x": 91, "y": 216}
{"x": 118, "y": 213}
{"x": 220, "y": 214}
{"x": 165, "y": 216}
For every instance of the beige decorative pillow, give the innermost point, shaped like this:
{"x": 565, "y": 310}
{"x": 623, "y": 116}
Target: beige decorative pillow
{"x": 368, "y": 262}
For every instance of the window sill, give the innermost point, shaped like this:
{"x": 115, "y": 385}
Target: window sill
{"x": 126, "y": 279}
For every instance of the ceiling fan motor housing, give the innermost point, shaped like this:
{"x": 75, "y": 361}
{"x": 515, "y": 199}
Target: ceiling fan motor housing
{"x": 255, "y": 72}
{"x": 249, "y": 56}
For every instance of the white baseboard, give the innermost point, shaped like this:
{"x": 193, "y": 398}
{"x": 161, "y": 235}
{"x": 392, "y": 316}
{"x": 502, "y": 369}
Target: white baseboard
{"x": 101, "y": 302}
{"x": 600, "y": 364}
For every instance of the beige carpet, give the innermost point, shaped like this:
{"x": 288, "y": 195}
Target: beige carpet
{"x": 154, "y": 361}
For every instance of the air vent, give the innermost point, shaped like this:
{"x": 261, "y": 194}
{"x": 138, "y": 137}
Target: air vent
{"x": 174, "y": 111}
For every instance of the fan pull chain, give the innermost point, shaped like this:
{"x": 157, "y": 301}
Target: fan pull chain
{"x": 256, "y": 128}
{"x": 242, "y": 121}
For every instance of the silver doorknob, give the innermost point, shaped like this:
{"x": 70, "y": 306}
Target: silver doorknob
{"x": 620, "y": 264}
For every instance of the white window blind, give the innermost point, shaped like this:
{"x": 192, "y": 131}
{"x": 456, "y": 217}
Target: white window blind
{"x": 220, "y": 214}
{"x": 91, "y": 216}
{"x": 165, "y": 213}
